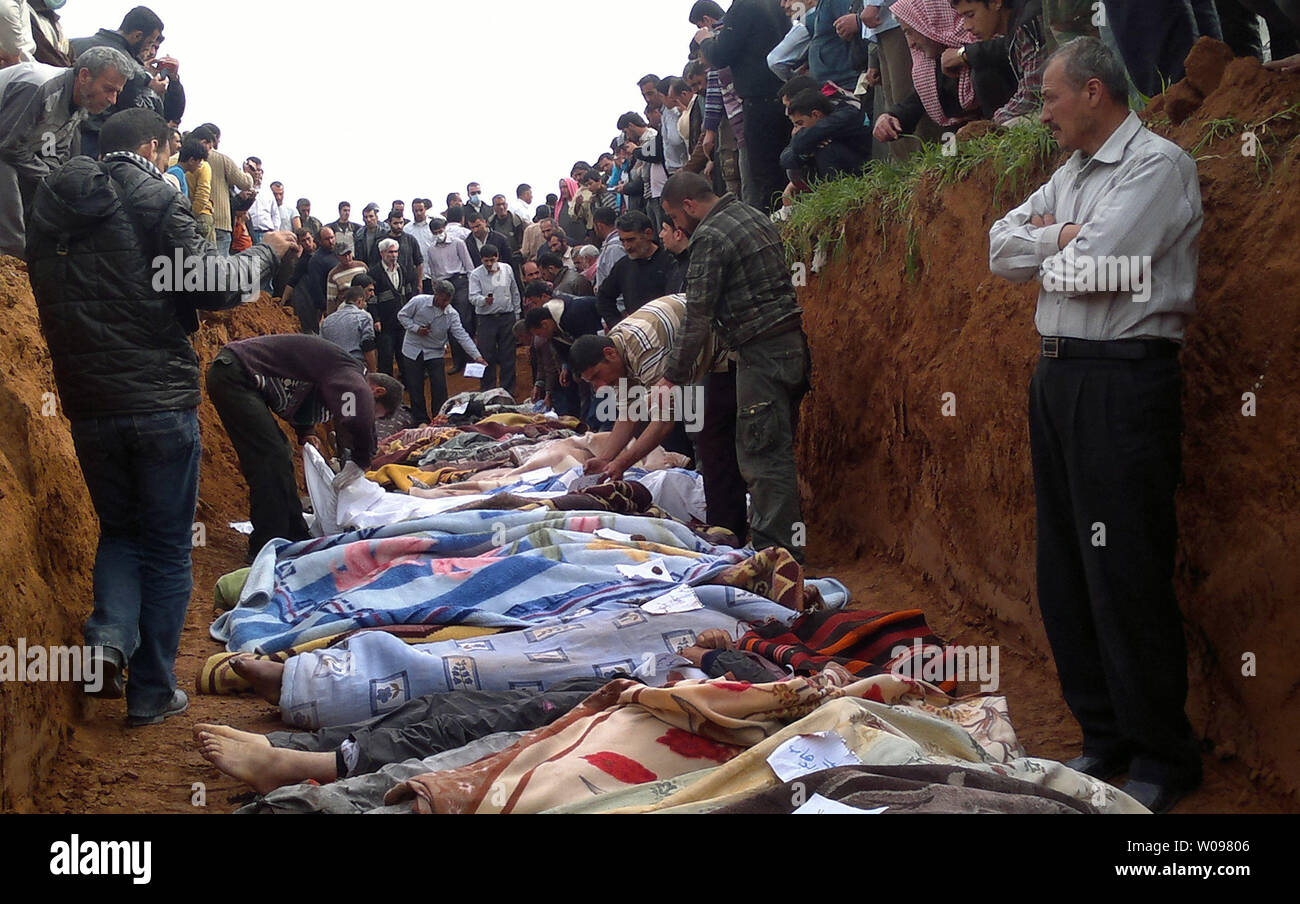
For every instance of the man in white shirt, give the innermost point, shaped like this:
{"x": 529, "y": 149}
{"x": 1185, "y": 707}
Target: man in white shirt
{"x": 287, "y": 213}
{"x": 264, "y": 215}
{"x": 497, "y": 304}
{"x": 1112, "y": 237}
{"x": 522, "y": 205}
{"x": 447, "y": 258}
{"x": 429, "y": 321}
{"x": 419, "y": 230}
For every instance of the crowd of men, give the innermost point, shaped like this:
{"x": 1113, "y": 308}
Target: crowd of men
{"x": 656, "y": 266}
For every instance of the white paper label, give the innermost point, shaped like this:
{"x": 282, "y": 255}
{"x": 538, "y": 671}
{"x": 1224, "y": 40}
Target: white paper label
{"x": 819, "y": 804}
{"x": 806, "y": 754}
{"x": 679, "y": 599}
{"x": 654, "y": 570}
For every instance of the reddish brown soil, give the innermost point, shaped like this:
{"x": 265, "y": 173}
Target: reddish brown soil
{"x": 951, "y": 498}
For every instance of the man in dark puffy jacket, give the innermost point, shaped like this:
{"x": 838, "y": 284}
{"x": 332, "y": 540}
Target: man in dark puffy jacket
{"x": 155, "y": 86}
{"x": 119, "y": 271}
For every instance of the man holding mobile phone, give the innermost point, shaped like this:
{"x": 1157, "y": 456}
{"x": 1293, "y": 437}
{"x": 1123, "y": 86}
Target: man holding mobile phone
{"x": 429, "y": 321}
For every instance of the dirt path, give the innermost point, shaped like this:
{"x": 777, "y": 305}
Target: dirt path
{"x": 109, "y": 768}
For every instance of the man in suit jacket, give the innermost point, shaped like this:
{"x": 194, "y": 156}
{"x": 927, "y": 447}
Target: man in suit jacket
{"x": 395, "y": 285}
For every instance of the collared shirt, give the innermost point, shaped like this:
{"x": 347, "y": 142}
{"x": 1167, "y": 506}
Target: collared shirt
{"x": 501, "y": 285}
{"x": 443, "y": 323}
{"x": 447, "y": 258}
{"x": 351, "y": 329}
{"x": 522, "y": 209}
{"x": 646, "y": 338}
{"x": 264, "y": 215}
{"x": 422, "y": 234}
{"x": 1137, "y": 202}
{"x": 785, "y": 56}
{"x": 611, "y": 252}
{"x": 887, "y": 20}
{"x": 737, "y": 284}
{"x": 675, "y": 149}
{"x": 457, "y": 231}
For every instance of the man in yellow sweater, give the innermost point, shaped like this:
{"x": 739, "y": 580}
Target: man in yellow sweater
{"x": 226, "y": 175}
{"x": 193, "y": 159}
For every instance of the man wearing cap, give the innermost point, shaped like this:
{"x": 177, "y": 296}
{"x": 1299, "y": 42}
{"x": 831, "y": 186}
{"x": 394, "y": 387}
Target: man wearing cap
{"x": 428, "y": 321}
{"x": 447, "y": 258}
{"x": 497, "y": 303}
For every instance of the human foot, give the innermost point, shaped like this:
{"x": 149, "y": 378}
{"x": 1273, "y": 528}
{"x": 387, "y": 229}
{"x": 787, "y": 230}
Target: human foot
{"x": 264, "y": 675}
{"x": 233, "y": 733}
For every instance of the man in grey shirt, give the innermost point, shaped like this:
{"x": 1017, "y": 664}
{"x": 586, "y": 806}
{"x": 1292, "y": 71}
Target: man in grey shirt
{"x": 429, "y": 321}
{"x": 1112, "y": 237}
{"x": 352, "y": 329}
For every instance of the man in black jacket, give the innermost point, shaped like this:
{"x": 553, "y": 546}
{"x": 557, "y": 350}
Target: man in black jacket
{"x": 157, "y": 88}
{"x": 114, "y": 255}
{"x": 842, "y": 143}
{"x": 639, "y": 277}
{"x": 742, "y": 41}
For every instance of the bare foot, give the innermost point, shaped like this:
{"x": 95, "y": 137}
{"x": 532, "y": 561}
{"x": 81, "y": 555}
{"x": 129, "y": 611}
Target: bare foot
{"x": 233, "y": 733}
{"x": 263, "y": 767}
{"x": 263, "y": 674}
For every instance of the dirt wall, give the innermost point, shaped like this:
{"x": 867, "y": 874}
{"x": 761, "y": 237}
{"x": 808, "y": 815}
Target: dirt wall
{"x": 884, "y": 471}
{"x": 48, "y": 528}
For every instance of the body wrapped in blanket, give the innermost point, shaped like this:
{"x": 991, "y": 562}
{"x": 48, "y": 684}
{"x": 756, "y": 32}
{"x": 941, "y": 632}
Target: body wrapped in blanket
{"x": 699, "y": 746}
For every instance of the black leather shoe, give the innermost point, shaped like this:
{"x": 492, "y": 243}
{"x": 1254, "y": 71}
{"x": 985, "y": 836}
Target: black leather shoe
{"x": 1156, "y": 797}
{"x": 1099, "y": 767}
{"x": 111, "y": 667}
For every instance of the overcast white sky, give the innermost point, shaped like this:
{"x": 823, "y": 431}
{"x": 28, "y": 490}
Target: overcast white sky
{"x": 371, "y": 101}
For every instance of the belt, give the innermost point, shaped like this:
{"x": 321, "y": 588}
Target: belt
{"x": 1124, "y": 349}
{"x": 788, "y": 326}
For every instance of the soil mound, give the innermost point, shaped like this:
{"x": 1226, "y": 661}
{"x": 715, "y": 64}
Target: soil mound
{"x": 885, "y": 472}
{"x": 48, "y": 527}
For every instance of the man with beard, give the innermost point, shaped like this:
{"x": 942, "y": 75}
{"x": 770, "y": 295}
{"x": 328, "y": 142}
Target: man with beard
{"x": 739, "y": 292}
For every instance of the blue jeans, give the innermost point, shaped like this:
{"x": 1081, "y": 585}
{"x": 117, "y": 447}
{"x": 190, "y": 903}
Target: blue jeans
{"x": 142, "y": 471}
{"x": 224, "y": 238}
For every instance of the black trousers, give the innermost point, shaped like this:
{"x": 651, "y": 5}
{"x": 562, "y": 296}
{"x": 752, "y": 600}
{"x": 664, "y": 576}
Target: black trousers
{"x": 417, "y": 370}
{"x": 1106, "y": 437}
{"x": 439, "y": 722}
{"x": 388, "y": 347}
{"x": 265, "y": 456}
{"x": 460, "y": 301}
{"x": 715, "y": 445}
{"x": 1155, "y": 36}
{"x": 767, "y": 132}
